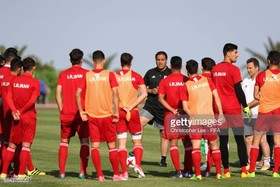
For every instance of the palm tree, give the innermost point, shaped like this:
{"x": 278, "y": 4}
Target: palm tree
{"x": 268, "y": 47}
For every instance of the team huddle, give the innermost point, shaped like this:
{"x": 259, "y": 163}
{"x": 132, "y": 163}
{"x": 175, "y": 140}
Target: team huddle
{"x": 102, "y": 106}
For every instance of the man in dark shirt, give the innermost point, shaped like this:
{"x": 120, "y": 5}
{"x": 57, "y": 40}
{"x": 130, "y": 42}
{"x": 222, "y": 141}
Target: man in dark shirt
{"x": 153, "y": 111}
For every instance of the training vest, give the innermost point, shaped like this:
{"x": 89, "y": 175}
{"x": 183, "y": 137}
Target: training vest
{"x": 98, "y": 101}
{"x": 127, "y": 92}
{"x": 270, "y": 92}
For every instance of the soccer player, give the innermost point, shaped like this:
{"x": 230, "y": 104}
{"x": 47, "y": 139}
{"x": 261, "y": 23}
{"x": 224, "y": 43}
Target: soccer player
{"x": 197, "y": 100}
{"x": 2, "y": 61}
{"x": 227, "y": 79}
{"x": 168, "y": 96}
{"x": 153, "y": 111}
{"x": 207, "y": 65}
{"x": 9, "y": 55}
{"x": 101, "y": 91}
{"x": 16, "y": 66}
{"x": 248, "y": 85}
{"x": 70, "y": 118}
{"x": 129, "y": 84}
{"x": 267, "y": 90}
{"x": 22, "y": 95}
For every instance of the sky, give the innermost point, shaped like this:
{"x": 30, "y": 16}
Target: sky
{"x": 190, "y": 29}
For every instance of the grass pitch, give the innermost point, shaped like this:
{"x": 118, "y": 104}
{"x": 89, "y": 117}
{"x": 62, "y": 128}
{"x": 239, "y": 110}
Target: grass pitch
{"x": 45, "y": 157}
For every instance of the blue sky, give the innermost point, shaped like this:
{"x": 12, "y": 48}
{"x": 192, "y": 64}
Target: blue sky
{"x": 190, "y": 29}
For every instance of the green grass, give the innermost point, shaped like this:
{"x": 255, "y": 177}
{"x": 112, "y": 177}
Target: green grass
{"x": 45, "y": 148}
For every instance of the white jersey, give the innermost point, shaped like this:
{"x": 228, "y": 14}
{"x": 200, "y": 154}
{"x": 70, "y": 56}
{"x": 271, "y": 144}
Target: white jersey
{"x": 248, "y": 87}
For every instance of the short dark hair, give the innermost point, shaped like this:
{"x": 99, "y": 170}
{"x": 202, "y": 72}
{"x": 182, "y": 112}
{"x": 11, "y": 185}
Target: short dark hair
{"x": 207, "y": 63}
{"x": 229, "y": 47}
{"x": 98, "y": 55}
{"x": 76, "y": 55}
{"x": 274, "y": 57}
{"x": 1, "y": 58}
{"x": 15, "y": 64}
{"x": 28, "y": 63}
{"x": 176, "y": 62}
{"x": 126, "y": 59}
{"x": 10, "y": 54}
{"x": 254, "y": 61}
{"x": 192, "y": 66}
{"x": 161, "y": 53}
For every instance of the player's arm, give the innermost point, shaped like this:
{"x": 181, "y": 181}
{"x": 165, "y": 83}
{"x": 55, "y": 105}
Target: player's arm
{"x": 83, "y": 113}
{"x": 33, "y": 98}
{"x": 253, "y": 103}
{"x": 186, "y": 107}
{"x": 116, "y": 104}
{"x": 240, "y": 94}
{"x": 257, "y": 93}
{"x": 218, "y": 101}
{"x": 58, "y": 97}
{"x": 140, "y": 98}
{"x": 15, "y": 112}
{"x": 165, "y": 104}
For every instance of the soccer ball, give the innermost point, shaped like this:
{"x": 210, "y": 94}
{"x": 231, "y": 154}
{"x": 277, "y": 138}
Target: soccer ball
{"x": 130, "y": 162}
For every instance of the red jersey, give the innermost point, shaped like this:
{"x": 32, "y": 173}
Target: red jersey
{"x": 269, "y": 85}
{"x": 129, "y": 81}
{"x": 69, "y": 80}
{"x": 23, "y": 93}
{"x": 6, "y": 82}
{"x": 225, "y": 75}
{"x": 207, "y": 75}
{"x": 170, "y": 86}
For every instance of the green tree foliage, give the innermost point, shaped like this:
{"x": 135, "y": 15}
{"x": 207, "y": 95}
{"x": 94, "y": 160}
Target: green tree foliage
{"x": 268, "y": 47}
{"x": 44, "y": 71}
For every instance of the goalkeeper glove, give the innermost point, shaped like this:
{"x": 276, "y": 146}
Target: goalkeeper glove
{"x": 248, "y": 112}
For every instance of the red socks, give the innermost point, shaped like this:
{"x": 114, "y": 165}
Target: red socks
{"x": 114, "y": 159}
{"x": 216, "y": 155}
{"x": 95, "y": 156}
{"x": 276, "y": 158}
{"x": 138, "y": 153}
{"x": 62, "y": 156}
{"x": 196, "y": 158}
{"x": 23, "y": 158}
{"x": 84, "y": 155}
{"x": 7, "y": 159}
{"x": 122, "y": 153}
{"x": 254, "y": 153}
{"x": 175, "y": 157}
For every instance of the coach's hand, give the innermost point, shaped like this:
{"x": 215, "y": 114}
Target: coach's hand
{"x": 248, "y": 112}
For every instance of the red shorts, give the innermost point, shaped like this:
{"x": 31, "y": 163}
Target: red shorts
{"x": 69, "y": 128}
{"x": 102, "y": 129}
{"x": 133, "y": 125}
{"x": 23, "y": 130}
{"x": 197, "y": 132}
{"x": 233, "y": 118}
{"x": 168, "y": 133}
{"x": 210, "y": 137}
{"x": 267, "y": 121}
{"x": 1, "y": 118}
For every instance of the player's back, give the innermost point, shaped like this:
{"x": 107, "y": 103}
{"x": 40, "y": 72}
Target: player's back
{"x": 23, "y": 88}
{"x": 69, "y": 80}
{"x": 6, "y": 81}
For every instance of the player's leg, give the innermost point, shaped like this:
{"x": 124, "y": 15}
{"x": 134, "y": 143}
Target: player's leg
{"x": 216, "y": 155}
{"x": 255, "y": 151}
{"x": 196, "y": 156}
{"x": 83, "y": 132}
{"x": 95, "y": 138}
{"x": 223, "y": 138}
{"x": 266, "y": 153}
{"x": 187, "y": 156}
{"x": 175, "y": 157}
{"x": 242, "y": 155}
{"x": 7, "y": 159}
{"x": 276, "y": 138}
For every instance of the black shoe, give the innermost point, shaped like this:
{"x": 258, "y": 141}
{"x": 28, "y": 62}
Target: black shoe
{"x": 163, "y": 163}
